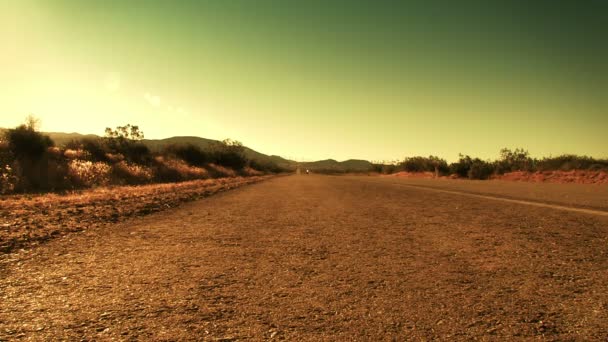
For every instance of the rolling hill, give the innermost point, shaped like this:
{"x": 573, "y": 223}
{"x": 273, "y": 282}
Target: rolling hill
{"x": 331, "y": 165}
{"x": 156, "y": 145}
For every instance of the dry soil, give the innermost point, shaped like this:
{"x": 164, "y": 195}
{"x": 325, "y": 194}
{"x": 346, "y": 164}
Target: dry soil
{"x": 318, "y": 258}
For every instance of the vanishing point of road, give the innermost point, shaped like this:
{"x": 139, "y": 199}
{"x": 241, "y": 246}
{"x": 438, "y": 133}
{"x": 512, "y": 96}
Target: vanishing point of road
{"x": 323, "y": 258}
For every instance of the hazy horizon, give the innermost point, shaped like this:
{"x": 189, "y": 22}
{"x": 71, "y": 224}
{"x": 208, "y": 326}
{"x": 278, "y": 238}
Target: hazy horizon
{"x": 316, "y": 80}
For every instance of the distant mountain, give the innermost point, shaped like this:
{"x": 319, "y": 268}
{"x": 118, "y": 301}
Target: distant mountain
{"x": 155, "y": 145}
{"x": 62, "y": 139}
{"x": 158, "y": 144}
{"x": 351, "y": 165}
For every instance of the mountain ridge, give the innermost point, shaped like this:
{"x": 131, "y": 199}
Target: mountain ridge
{"x": 156, "y": 145}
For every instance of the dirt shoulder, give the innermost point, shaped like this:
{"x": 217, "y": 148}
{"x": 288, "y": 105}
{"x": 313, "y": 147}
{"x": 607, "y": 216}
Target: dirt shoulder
{"x": 318, "y": 258}
{"x": 590, "y": 196}
{"x": 561, "y": 177}
{"x": 574, "y": 176}
{"x": 28, "y": 220}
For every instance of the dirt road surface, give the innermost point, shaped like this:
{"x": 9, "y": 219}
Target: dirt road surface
{"x": 320, "y": 258}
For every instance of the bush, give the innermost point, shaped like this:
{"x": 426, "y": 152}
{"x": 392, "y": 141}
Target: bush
{"x": 95, "y": 148}
{"x": 84, "y": 173}
{"x": 571, "y": 162}
{"x": 131, "y": 174}
{"x": 191, "y": 154}
{"x": 36, "y": 164}
{"x": 480, "y": 169}
{"x": 462, "y": 166}
{"x": 176, "y": 170}
{"x": 265, "y": 166}
{"x": 136, "y": 152}
{"x": 8, "y": 179}
{"x": 29, "y": 161}
{"x": 25, "y": 143}
{"x": 424, "y": 164}
{"x": 472, "y": 168}
{"x": 229, "y": 153}
{"x": 517, "y": 160}
{"x": 218, "y": 171}
{"x": 126, "y": 140}
{"x": 248, "y": 172}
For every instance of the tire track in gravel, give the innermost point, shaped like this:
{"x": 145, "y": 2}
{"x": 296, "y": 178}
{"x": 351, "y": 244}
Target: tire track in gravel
{"x": 503, "y": 199}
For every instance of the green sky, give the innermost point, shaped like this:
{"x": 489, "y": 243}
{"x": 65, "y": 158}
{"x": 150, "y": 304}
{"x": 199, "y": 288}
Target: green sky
{"x": 376, "y": 80}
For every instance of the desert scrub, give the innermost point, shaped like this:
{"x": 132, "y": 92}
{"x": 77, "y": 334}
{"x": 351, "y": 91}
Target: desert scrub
{"x": 248, "y": 171}
{"x": 177, "y": 170}
{"x": 83, "y": 173}
{"x": 218, "y": 171}
{"x": 8, "y": 179}
{"x": 132, "y": 174}
{"x": 71, "y": 154}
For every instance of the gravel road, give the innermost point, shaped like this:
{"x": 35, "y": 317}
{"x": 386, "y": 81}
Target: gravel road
{"x": 319, "y": 258}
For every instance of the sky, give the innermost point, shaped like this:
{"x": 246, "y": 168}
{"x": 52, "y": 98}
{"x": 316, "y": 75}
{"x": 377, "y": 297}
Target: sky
{"x": 311, "y": 80}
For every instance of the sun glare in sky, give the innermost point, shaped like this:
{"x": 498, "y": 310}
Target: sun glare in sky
{"x": 309, "y": 80}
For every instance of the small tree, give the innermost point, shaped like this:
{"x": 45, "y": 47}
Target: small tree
{"x": 25, "y": 142}
{"x": 126, "y": 140}
{"x": 517, "y": 160}
{"x": 33, "y": 166}
{"x": 127, "y": 132}
{"x": 462, "y": 166}
{"x": 480, "y": 169}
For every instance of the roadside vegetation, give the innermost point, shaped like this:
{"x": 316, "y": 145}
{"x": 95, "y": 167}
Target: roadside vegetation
{"x": 509, "y": 161}
{"x": 31, "y": 162}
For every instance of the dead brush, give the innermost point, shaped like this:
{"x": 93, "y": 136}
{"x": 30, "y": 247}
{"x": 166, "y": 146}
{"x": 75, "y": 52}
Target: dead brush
{"x": 248, "y": 171}
{"x": 76, "y": 154}
{"x": 83, "y": 173}
{"x": 8, "y": 179}
{"x": 218, "y": 171}
{"x": 176, "y": 170}
{"x": 125, "y": 173}
{"x": 114, "y": 157}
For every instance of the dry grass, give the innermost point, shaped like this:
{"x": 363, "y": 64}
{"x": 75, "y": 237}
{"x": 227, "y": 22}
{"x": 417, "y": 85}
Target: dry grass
{"x": 180, "y": 170}
{"x": 220, "y": 171}
{"x": 87, "y": 174}
{"x": 31, "y": 219}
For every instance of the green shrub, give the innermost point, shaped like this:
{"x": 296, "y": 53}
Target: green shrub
{"x": 36, "y": 165}
{"x": 96, "y": 149}
{"x": 265, "y": 166}
{"x": 191, "y": 154}
{"x": 126, "y": 140}
{"x": 424, "y": 164}
{"x": 462, "y": 166}
{"x": 229, "y": 153}
{"x": 570, "y": 162}
{"x": 517, "y": 160}
{"x": 480, "y": 169}
{"x": 24, "y": 142}
{"x": 472, "y": 168}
